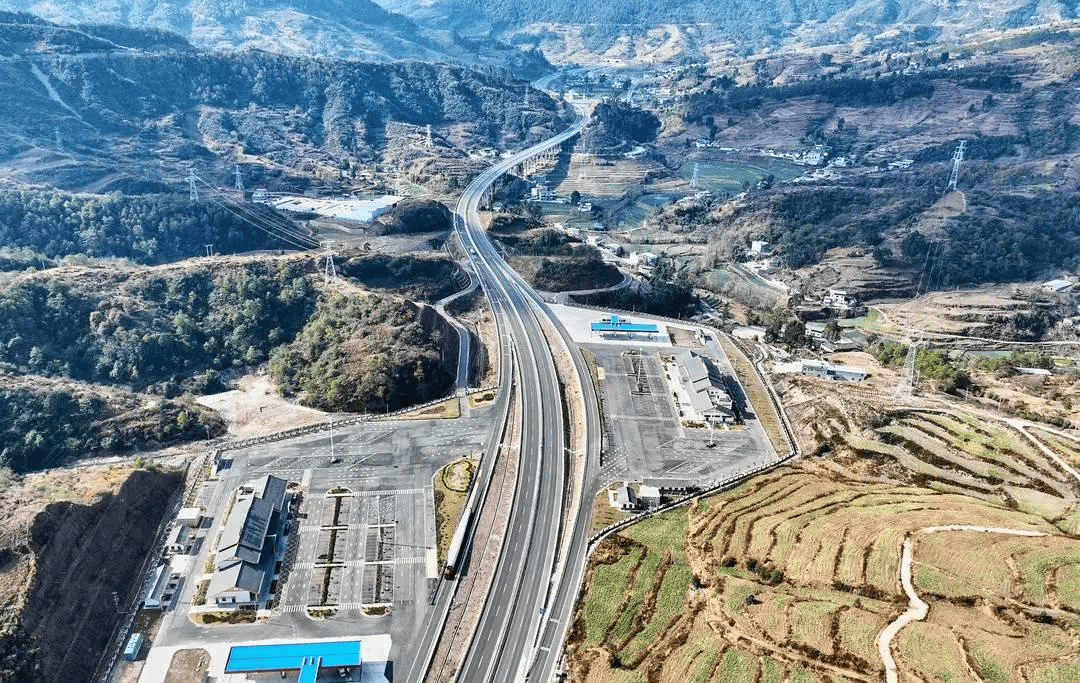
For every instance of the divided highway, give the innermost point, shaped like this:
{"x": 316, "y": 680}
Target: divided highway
{"x": 517, "y": 612}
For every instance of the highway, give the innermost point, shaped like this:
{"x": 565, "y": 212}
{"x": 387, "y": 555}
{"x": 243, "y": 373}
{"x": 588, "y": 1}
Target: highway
{"x": 504, "y": 647}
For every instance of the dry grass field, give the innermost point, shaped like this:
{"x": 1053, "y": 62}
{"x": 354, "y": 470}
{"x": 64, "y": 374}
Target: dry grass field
{"x": 792, "y": 576}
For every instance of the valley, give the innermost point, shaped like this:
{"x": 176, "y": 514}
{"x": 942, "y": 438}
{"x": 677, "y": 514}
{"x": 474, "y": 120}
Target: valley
{"x": 503, "y": 341}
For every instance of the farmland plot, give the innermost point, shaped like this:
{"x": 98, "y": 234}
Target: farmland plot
{"x": 793, "y": 575}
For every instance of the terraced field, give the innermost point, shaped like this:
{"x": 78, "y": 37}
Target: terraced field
{"x": 954, "y": 452}
{"x": 792, "y": 576}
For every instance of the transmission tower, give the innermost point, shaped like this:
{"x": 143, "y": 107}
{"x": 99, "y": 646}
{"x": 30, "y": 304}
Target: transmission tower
{"x": 193, "y": 189}
{"x": 693, "y": 179}
{"x": 239, "y": 178}
{"x": 430, "y": 142}
{"x": 59, "y": 140}
{"x": 908, "y": 374}
{"x": 957, "y": 157}
{"x": 329, "y": 273}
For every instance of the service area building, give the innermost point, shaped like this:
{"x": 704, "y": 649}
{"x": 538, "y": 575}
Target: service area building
{"x": 308, "y": 658}
{"x": 249, "y": 542}
{"x": 704, "y": 388}
{"x": 616, "y": 326}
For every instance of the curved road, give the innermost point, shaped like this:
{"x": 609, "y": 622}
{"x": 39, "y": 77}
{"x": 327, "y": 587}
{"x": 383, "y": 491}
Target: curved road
{"x": 506, "y": 643}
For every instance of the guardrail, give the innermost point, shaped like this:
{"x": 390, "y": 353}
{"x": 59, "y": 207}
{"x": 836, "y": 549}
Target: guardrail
{"x": 334, "y": 422}
{"x": 710, "y": 488}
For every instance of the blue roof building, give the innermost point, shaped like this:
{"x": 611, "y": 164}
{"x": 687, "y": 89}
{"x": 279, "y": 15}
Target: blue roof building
{"x": 617, "y": 325}
{"x": 307, "y": 657}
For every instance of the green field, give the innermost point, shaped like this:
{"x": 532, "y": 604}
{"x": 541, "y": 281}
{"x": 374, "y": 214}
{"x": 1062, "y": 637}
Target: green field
{"x": 717, "y": 176}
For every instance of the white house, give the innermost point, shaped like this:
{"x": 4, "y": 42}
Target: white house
{"x": 649, "y": 496}
{"x": 178, "y": 540}
{"x": 623, "y": 498}
{"x": 237, "y": 584}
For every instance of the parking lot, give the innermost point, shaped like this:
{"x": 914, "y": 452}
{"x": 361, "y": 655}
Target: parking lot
{"x": 644, "y": 437}
{"x": 361, "y": 543}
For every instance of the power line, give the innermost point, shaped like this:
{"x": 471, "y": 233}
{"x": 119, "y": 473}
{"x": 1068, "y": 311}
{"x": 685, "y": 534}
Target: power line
{"x": 270, "y": 231}
{"x": 270, "y": 223}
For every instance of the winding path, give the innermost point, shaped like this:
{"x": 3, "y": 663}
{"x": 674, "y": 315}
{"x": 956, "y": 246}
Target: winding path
{"x": 917, "y": 609}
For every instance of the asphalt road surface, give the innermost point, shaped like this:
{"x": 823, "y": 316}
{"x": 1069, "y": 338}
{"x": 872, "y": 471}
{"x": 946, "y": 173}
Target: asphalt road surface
{"x": 517, "y": 615}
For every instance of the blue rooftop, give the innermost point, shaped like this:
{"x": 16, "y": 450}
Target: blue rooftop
{"x": 288, "y": 656}
{"x": 617, "y": 324}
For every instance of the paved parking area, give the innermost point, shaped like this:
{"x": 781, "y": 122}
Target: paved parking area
{"x": 363, "y": 534}
{"x": 643, "y": 434}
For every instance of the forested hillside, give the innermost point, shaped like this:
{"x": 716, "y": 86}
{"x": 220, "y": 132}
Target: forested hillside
{"x": 140, "y": 330}
{"x": 176, "y": 330}
{"x": 146, "y": 229}
{"x": 367, "y": 354}
{"x": 44, "y": 424}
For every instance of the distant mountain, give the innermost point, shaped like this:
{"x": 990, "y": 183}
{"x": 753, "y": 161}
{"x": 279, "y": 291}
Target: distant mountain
{"x": 568, "y": 26}
{"x": 353, "y": 29}
{"x": 99, "y": 109}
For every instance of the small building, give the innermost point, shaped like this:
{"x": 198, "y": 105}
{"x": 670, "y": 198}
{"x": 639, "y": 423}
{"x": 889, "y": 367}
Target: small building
{"x": 1058, "y": 286}
{"x": 649, "y": 496}
{"x": 817, "y": 368}
{"x": 178, "y": 540}
{"x": 838, "y": 298}
{"x": 815, "y": 330}
{"x": 236, "y": 585}
{"x": 134, "y": 646}
{"x": 838, "y": 345}
{"x": 618, "y": 325}
{"x": 623, "y": 498}
{"x": 162, "y": 588}
{"x": 760, "y": 248}
{"x": 190, "y": 517}
{"x": 643, "y": 258}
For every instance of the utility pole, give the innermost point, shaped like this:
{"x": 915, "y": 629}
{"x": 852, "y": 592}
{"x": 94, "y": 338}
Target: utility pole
{"x": 958, "y": 156}
{"x": 239, "y": 178}
{"x": 331, "y": 438}
{"x": 329, "y": 274}
{"x": 193, "y": 189}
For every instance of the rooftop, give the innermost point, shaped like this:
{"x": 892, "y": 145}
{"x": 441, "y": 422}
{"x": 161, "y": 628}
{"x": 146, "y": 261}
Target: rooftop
{"x": 617, "y": 324}
{"x": 237, "y": 576}
{"x": 245, "y": 529}
{"x": 291, "y": 656}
